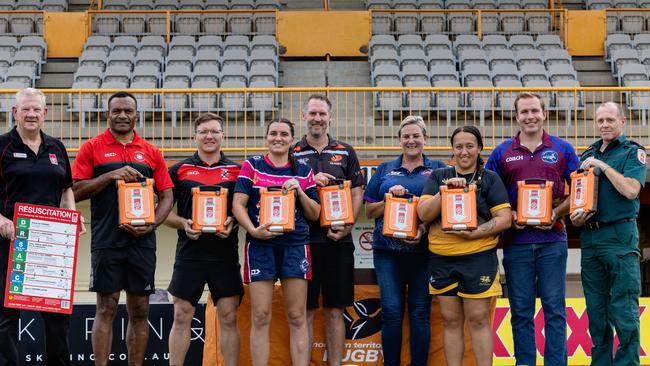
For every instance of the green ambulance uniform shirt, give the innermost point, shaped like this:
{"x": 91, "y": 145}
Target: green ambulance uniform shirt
{"x": 628, "y": 158}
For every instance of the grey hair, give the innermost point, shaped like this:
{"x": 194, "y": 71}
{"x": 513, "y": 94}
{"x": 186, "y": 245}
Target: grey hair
{"x": 30, "y": 92}
{"x": 619, "y": 108}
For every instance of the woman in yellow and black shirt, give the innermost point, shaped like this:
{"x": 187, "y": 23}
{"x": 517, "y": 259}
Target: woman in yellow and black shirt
{"x": 463, "y": 265}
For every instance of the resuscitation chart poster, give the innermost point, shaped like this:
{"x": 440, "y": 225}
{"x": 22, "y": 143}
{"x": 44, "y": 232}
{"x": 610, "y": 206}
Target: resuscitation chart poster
{"x": 42, "y": 259}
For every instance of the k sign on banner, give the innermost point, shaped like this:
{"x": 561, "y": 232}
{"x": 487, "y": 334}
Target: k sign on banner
{"x": 161, "y": 317}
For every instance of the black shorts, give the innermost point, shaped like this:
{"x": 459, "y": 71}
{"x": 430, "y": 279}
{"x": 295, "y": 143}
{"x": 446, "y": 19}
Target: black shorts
{"x": 130, "y": 268}
{"x": 189, "y": 279}
{"x": 474, "y": 276}
{"x": 332, "y": 275}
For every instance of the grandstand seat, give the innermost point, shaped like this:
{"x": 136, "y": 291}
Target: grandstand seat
{"x": 267, "y": 4}
{"x": 212, "y": 43}
{"x": 418, "y": 101}
{"x": 638, "y": 102}
{"x": 236, "y": 42}
{"x": 191, "y": 5}
{"x": 27, "y": 5}
{"x": 386, "y": 72}
{"x": 508, "y": 4}
{"x": 157, "y": 24}
{"x": 94, "y": 57}
{"x": 538, "y": 22}
{"x": 127, "y": 43}
{"x": 99, "y": 43}
{"x": 7, "y": 5}
{"x": 4, "y": 23}
{"x": 378, "y": 4}
{"x": 461, "y": 23}
{"x": 5, "y": 62}
{"x": 494, "y": 42}
{"x": 447, "y": 101}
{"x": 182, "y": 43}
{"x": 262, "y": 102}
{"x": 623, "y": 56}
{"x": 382, "y": 23}
{"x": 36, "y": 43}
{"x": 413, "y": 56}
{"x": 490, "y": 23}
{"x": 263, "y": 56}
{"x": 501, "y": 72}
{"x": 177, "y": 72}
{"x": 435, "y": 42}
{"x": 384, "y": 56}
{"x": 140, "y": 4}
{"x": 114, "y": 84}
{"x": 521, "y": 42}
{"x": 146, "y": 73}
{"x": 408, "y": 42}
{"x": 9, "y": 43}
{"x": 466, "y": 41}
{"x": 431, "y": 4}
{"x": 214, "y": 23}
{"x": 632, "y": 22}
{"x": 441, "y": 57}
{"x": 235, "y": 56}
{"x": 554, "y": 56}
{"x": 415, "y": 72}
{"x": 22, "y": 23}
{"x": 174, "y": 102}
{"x": 561, "y": 72}
{"x": 534, "y": 4}
{"x": 458, "y": 4}
{"x": 512, "y": 23}
{"x": 531, "y": 72}
{"x": 506, "y": 99}
{"x": 616, "y": 41}
{"x": 206, "y": 72}
{"x": 133, "y": 23}
{"x": 234, "y": 102}
{"x": 480, "y": 101}
{"x": 567, "y": 101}
{"x": 83, "y": 103}
{"x": 153, "y": 43}
{"x": 389, "y": 101}
{"x": 89, "y": 73}
{"x": 187, "y": 23}
{"x": 406, "y": 23}
{"x": 441, "y": 72}
{"x": 234, "y": 72}
{"x": 166, "y": 5}
{"x": 548, "y": 41}
{"x": 630, "y": 72}
{"x": 149, "y": 57}
{"x": 20, "y": 73}
{"x": 117, "y": 73}
{"x": 240, "y": 23}
{"x": 114, "y": 5}
{"x": 381, "y": 41}
{"x": 501, "y": 57}
{"x": 263, "y": 72}
{"x": 180, "y": 56}
{"x": 476, "y": 72}
{"x": 120, "y": 57}
{"x": 524, "y": 57}
{"x": 546, "y": 96}
{"x": 641, "y": 41}
{"x": 644, "y": 58}
{"x": 242, "y": 5}
{"x": 147, "y": 102}
{"x": 206, "y": 57}
{"x": 264, "y": 23}
{"x": 216, "y": 4}
{"x": 30, "y": 58}
{"x": 433, "y": 23}
{"x": 203, "y": 102}
{"x": 472, "y": 56}
{"x": 54, "y": 5}
{"x": 108, "y": 24}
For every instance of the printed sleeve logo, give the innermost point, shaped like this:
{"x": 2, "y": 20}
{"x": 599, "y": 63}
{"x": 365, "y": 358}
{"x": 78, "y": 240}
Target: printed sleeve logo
{"x": 549, "y": 157}
{"x": 640, "y": 154}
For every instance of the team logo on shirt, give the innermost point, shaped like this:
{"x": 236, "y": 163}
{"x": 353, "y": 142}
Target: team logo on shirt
{"x": 53, "y": 159}
{"x": 426, "y": 172}
{"x": 224, "y": 174}
{"x": 640, "y": 154}
{"x": 336, "y": 158}
{"x": 139, "y": 156}
{"x": 303, "y": 161}
{"x": 549, "y": 157}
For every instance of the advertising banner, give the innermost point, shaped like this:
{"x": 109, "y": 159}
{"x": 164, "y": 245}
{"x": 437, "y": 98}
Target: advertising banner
{"x": 42, "y": 259}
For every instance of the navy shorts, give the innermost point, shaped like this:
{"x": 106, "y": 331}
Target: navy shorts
{"x": 265, "y": 262}
{"x": 474, "y": 276}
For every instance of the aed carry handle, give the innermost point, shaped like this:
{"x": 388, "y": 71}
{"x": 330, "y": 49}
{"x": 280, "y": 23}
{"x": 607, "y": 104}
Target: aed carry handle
{"x": 336, "y": 182}
{"x": 209, "y": 188}
{"x": 278, "y": 189}
{"x": 586, "y": 171}
{"x": 142, "y": 180}
{"x": 535, "y": 181}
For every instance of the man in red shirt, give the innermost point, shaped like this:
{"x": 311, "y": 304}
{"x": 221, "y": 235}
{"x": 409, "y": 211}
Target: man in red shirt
{"x": 123, "y": 257}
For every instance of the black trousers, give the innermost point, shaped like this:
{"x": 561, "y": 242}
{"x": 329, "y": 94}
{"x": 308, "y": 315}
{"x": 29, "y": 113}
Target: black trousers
{"x": 56, "y": 326}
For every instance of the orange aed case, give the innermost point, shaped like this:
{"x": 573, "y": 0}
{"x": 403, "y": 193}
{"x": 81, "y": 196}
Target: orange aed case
{"x": 400, "y": 216}
{"x": 336, "y": 204}
{"x": 277, "y": 207}
{"x": 584, "y": 190}
{"x": 209, "y": 208}
{"x": 534, "y": 202}
{"x": 136, "y": 202}
{"x": 458, "y": 208}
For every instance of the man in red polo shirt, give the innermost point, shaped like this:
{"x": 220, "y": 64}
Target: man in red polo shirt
{"x": 123, "y": 257}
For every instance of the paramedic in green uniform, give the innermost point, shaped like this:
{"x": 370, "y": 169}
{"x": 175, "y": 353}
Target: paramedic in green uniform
{"x": 609, "y": 240}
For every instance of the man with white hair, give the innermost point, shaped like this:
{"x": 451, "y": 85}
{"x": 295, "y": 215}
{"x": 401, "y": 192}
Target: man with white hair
{"x": 35, "y": 169}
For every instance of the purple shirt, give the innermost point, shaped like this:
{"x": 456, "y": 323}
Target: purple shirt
{"x": 553, "y": 160}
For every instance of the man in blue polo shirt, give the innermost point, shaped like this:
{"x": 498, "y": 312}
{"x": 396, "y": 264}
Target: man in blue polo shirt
{"x": 535, "y": 257}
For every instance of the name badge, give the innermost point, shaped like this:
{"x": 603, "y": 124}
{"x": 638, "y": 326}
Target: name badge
{"x": 20, "y": 155}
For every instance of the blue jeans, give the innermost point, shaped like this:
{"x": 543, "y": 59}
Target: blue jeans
{"x": 542, "y": 267}
{"x": 395, "y": 273}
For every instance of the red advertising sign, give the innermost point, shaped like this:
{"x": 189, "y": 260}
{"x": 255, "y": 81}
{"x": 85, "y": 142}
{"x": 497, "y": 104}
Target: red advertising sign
{"x": 42, "y": 259}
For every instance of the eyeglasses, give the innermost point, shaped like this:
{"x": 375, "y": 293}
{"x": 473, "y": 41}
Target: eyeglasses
{"x": 206, "y": 132}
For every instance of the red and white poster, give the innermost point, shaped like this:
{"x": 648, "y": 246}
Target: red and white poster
{"x": 42, "y": 259}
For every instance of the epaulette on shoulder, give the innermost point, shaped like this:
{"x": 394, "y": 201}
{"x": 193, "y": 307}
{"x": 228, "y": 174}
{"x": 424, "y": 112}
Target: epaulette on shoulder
{"x": 633, "y": 144}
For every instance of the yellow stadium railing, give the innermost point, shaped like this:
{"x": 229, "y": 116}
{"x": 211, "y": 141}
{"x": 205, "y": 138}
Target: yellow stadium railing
{"x": 366, "y": 117}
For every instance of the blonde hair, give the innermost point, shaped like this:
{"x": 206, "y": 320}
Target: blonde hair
{"x": 30, "y": 92}
{"x": 412, "y": 120}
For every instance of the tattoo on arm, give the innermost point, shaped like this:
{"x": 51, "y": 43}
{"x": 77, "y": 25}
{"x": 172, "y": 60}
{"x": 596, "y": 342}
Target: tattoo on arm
{"x": 488, "y": 226}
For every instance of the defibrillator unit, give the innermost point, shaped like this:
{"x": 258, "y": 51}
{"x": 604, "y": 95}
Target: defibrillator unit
{"x": 584, "y": 190}
{"x": 400, "y": 216}
{"x": 458, "y": 208}
{"x": 336, "y": 204}
{"x": 277, "y": 207}
{"x": 209, "y": 208}
{"x": 136, "y": 202}
{"x": 534, "y": 202}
